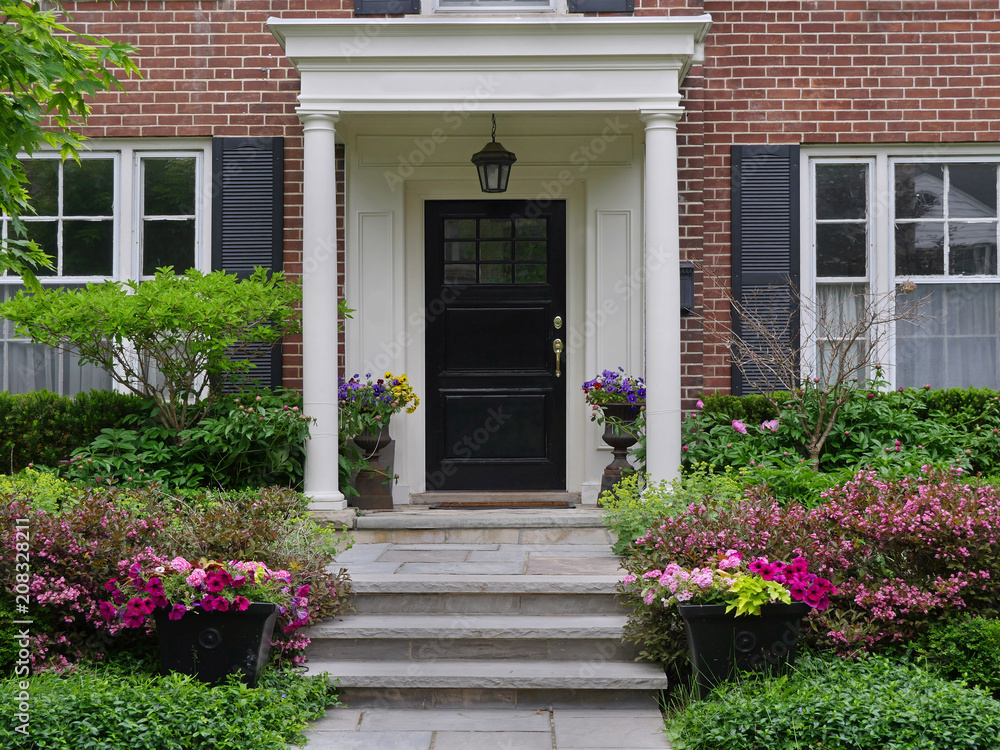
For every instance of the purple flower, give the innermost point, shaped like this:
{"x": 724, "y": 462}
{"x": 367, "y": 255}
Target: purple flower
{"x": 177, "y": 612}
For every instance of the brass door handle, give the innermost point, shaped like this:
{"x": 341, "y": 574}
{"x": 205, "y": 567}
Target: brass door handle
{"x": 557, "y": 347}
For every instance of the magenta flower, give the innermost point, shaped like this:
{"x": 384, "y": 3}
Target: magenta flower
{"x": 739, "y": 427}
{"x": 699, "y": 404}
{"x": 177, "y": 611}
{"x": 771, "y": 424}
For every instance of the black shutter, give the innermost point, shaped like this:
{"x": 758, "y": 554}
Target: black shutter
{"x": 248, "y": 225}
{"x": 386, "y": 7}
{"x": 765, "y": 243}
{"x": 601, "y": 6}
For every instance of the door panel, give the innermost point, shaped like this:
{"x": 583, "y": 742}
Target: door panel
{"x": 495, "y": 281}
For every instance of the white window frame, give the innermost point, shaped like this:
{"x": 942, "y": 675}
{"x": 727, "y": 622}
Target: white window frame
{"x": 881, "y": 276}
{"x": 127, "y": 245}
{"x": 434, "y": 7}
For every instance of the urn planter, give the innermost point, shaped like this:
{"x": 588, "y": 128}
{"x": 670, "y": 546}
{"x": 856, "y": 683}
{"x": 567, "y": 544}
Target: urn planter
{"x": 722, "y": 645}
{"x": 213, "y": 645}
{"x": 374, "y": 483}
{"x": 619, "y": 421}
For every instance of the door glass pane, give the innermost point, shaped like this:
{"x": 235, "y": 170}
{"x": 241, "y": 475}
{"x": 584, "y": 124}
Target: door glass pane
{"x": 972, "y": 192}
{"x": 494, "y": 251}
{"x": 530, "y": 273}
{"x": 460, "y": 273}
{"x": 530, "y": 228}
{"x": 459, "y": 251}
{"x": 531, "y": 251}
{"x": 498, "y": 273}
{"x": 841, "y": 191}
{"x": 919, "y": 248}
{"x": 43, "y": 185}
{"x": 460, "y": 229}
{"x": 919, "y": 191}
{"x": 167, "y": 243}
{"x": 168, "y": 189}
{"x": 88, "y": 187}
{"x": 88, "y": 248}
{"x": 494, "y": 228}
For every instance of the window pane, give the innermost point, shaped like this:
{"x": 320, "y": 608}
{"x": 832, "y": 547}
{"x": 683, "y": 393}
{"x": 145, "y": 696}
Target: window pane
{"x": 494, "y": 274}
{"x": 167, "y": 243}
{"x": 494, "y": 251}
{"x": 494, "y": 228}
{"x": 841, "y": 250}
{"x": 972, "y": 248}
{"x": 88, "y": 188}
{"x": 919, "y": 249}
{"x": 972, "y": 192}
{"x": 841, "y": 191}
{"x": 45, "y": 234}
{"x": 955, "y": 343}
{"x": 169, "y": 186}
{"x": 43, "y": 185}
{"x": 32, "y": 368}
{"x": 919, "y": 191}
{"x": 88, "y": 248}
{"x": 460, "y": 229}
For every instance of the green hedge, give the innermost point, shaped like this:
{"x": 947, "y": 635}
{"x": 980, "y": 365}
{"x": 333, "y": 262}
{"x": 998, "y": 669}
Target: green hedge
{"x": 44, "y": 428}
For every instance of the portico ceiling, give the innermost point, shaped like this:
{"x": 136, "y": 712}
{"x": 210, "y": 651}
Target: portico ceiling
{"x": 430, "y": 64}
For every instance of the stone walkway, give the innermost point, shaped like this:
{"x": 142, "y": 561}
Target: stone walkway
{"x": 481, "y": 545}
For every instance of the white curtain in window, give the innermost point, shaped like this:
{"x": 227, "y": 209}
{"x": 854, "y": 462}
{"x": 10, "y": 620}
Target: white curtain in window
{"x": 838, "y": 309}
{"x": 955, "y": 343}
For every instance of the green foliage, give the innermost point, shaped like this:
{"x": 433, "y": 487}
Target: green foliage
{"x": 836, "y": 704}
{"x": 251, "y": 440}
{"x": 8, "y": 646}
{"x": 173, "y": 338}
{"x": 753, "y": 592}
{"x": 966, "y": 649}
{"x": 115, "y": 710}
{"x": 47, "y": 74}
{"x": 43, "y": 428}
{"x": 893, "y": 432}
{"x": 753, "y": 408}
{"x": 47, "y": 491}
{"x": 635, "y": 505}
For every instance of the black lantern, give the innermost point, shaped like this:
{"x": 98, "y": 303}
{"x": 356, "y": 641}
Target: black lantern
{"x": 493, "y": 163}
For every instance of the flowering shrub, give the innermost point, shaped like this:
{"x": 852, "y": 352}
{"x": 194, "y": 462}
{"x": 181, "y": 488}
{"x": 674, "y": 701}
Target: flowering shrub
{"x": 615, "y": 387}
{"x": 726, "y": 580}
{"x": 367, "y": 404}
{"x": 201, "y": 585}
{"x": 76, "y": 551}
{"x": 903, "y": 554}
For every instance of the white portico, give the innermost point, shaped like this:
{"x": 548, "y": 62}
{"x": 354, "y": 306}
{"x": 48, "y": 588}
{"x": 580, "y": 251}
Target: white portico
{"x": 590, "y": 106}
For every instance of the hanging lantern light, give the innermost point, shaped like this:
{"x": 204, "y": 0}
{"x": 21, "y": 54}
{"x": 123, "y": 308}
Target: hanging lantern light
{"x": 493, "y": 163}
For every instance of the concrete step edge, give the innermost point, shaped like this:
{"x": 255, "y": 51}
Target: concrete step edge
{"x": 476, "y": 519}
{"x": 454, "y": 626}
{"x": 484, "y": 584}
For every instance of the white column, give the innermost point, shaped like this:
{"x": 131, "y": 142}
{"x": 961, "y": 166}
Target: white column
{"x": 661, "y": 259}
{"x": 319, "y": 309}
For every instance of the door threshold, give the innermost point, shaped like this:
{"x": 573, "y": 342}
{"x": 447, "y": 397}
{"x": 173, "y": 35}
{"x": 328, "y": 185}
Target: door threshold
{"x": 496, "y": 499}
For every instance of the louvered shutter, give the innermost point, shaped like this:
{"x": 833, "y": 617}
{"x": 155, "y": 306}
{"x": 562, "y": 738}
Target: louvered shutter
{"x": 247, "y": 225}
{"x": 386, "y": 7}
{"x": 765, "y": 244}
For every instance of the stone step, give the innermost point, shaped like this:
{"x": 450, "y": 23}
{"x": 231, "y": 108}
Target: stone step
{"x": 492, "y": 683}
{"x": 421, "y": 525}
{"x": 427, "y": 637}
{"x": 486, "y": 594}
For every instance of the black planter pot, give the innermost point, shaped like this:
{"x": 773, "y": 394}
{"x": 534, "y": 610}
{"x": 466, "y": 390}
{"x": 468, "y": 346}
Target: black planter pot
{"x": 373, "y": 484}
{"x": 212, "y": 645}
{"x": 722, "y": 645}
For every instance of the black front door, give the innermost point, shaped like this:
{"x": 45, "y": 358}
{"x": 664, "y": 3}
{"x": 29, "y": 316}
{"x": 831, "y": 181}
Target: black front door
{"x": 496, "y": 402}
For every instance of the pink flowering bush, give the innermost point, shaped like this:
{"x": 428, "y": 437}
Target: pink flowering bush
{"x": 902, "y": 554}
{"x": 78, "y": 550}
{"x": 183, "y": 586}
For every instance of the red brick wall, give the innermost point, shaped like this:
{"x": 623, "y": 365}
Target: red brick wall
{"x": 775, "y": 71}
{"x": 213, "y": 69}
{"x": 825, "y": 71}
